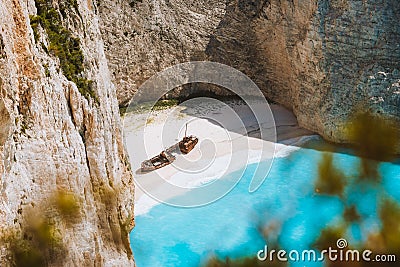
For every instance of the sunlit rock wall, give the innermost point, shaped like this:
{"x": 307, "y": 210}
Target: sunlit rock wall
{"x": 57, "y": 136}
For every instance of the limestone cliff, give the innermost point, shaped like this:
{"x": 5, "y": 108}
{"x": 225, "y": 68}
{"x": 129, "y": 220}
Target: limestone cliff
{"x": 60, "y": 131}
{"x": 144, "y": 37}
{"x": 321, "y": 58}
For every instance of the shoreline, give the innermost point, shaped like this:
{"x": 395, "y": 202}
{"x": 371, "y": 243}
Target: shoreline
{"x": 215, "y": 145}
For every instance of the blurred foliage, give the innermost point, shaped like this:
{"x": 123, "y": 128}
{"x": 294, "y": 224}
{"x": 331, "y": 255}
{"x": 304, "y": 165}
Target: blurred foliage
{"x": 39, "y": 241}
{"x": 62, "y": 44}
{"x": 38, "y": 244}
{"x": 351, "y": 214}
{"x": 328, "y": 237}
{"x": 24, "y": 252}
{"x": 67, "y": 205}
{"x": 331, "y": 181}
{"x": 390, "y": 217}
{"x": 375, "y": 136}
{"x": 376, "y": 139}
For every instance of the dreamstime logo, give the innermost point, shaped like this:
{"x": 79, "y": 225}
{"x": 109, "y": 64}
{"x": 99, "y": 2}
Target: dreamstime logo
{"x": 341, "y": 243}
{"x": 218, "y": 155}
{"x": 341, "y": 253}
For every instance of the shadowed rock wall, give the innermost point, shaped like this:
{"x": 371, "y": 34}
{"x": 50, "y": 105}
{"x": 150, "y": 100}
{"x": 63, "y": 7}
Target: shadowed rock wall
{"x": 319, "y": 58}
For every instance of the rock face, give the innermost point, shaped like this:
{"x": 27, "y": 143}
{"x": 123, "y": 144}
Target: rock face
{"x": 144, "y": 37}
{"x": 319, "y": 58}
{"x": 60, "y": 131}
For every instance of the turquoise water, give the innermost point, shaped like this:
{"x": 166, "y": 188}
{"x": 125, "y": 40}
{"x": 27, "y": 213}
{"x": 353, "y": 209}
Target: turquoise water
{"x": 169, "y": 236}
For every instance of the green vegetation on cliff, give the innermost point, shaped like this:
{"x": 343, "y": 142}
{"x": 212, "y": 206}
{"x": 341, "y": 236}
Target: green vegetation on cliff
{"x": 61, "y": 42}
{"x": 142, "y": 107}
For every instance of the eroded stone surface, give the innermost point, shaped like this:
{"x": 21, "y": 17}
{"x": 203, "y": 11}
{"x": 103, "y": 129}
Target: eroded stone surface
{"x": 319, "y": 58}
{"x": 60, "y": 140}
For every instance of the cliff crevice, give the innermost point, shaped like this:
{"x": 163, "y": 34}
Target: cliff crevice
{"x": 61, "y": 140}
